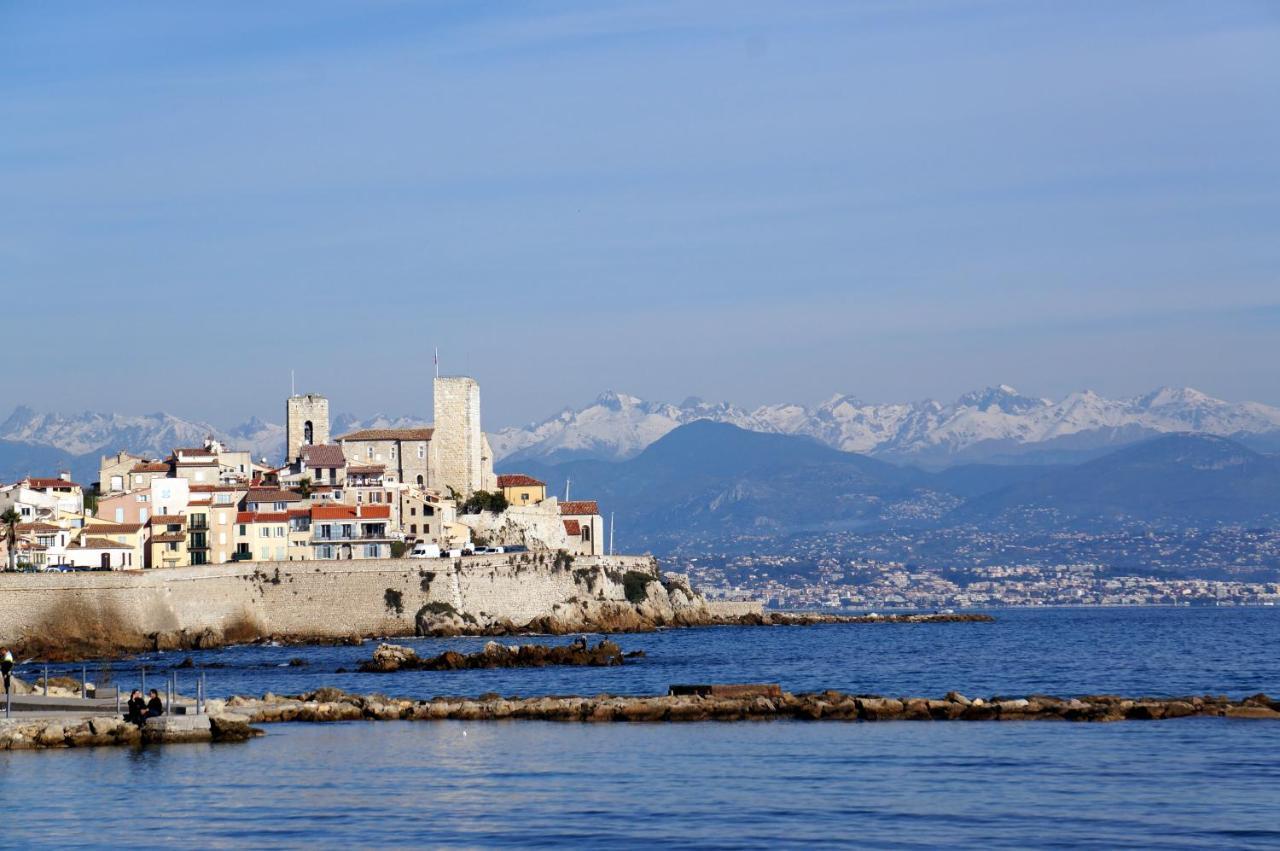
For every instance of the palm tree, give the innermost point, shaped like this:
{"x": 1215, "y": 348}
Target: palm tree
{"x": 9, "y": 522}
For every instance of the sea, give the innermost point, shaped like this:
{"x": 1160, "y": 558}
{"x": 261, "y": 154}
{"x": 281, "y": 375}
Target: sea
{"x": 1191, "y": 782}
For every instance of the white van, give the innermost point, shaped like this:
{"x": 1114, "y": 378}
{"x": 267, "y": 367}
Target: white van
{"x": 424, "y": 550}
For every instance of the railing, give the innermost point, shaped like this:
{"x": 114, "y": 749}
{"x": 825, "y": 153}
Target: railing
{"x": 363, "y": 536}
{"x": 105, "y": 692}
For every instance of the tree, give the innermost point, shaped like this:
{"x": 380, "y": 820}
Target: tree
{"x": 304, "y": 487}
{"x": 9, "y": 522}
{"x": 484, "y": 501}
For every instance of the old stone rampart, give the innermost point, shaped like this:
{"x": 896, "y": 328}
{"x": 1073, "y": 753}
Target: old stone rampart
{"x": 309, "y": 599}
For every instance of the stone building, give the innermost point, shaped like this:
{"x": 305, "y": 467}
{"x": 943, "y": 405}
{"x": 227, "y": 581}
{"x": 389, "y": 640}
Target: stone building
{"x": 306, "y": 423}
{"x": 404, "y": 454}
{"x": 461, "y": 456}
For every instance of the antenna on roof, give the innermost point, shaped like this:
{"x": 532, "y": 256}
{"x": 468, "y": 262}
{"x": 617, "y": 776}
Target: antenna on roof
{"x": 437, "y": 358}
{"x": 566, "y": 488}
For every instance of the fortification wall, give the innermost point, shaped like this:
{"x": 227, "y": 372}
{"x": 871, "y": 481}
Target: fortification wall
{"x": 308, "y": 598}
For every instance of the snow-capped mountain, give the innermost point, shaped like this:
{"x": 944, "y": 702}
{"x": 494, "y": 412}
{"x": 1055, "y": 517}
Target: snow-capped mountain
{"x": 614, "y": 427}
{"x": 156, "y": 435}
{"x": 994, "y": 423}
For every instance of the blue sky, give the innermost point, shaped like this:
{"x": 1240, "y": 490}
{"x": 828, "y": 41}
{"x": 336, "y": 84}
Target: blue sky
{"x": 746, "y": 201}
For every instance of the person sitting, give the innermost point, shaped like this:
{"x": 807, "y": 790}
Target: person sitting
{"x": 154, "y": 707}
{"x": 137, "y": 709}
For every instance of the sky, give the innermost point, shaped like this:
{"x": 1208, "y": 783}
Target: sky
{"x": 745, "y": 201}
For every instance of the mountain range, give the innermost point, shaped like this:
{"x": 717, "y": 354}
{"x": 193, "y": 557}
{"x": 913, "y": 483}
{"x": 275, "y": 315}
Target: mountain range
{"x": 994, "y": 425}
{"x": 713, "y": 481}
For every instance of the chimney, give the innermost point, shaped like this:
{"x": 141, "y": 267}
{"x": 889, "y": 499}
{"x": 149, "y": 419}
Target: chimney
{"x": 65, "y": 475}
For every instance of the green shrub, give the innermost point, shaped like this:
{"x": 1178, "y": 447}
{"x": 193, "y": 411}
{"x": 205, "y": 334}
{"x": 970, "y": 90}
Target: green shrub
{"x": 636, "y": 584}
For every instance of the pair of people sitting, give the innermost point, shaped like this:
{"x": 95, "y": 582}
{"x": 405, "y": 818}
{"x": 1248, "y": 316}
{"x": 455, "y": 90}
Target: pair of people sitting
{"x": 140, "y": 710}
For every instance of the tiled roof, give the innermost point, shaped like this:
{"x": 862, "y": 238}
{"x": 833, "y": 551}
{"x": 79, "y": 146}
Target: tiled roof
{"x": 368, "y": 470}
{"x": 333, "y": 512}
{"x": 51, "y": 483}
{"x": 151, "y": 467}
{"x": 272, "y": 495}
{"x": 579, "y": 508}
{"x": 167, "y": 518}
{"x": 390, "y": 434}
{"x": 104, "y": 544}
{"x": 519, "y": 480}
{"x": 262, "y": 517}
{"x": 167, "y": 538}
{"x": 38, "y": 526}
{"x": 376, "y": 512}
{"x": 323, "y": 455}
{"x": 114, "y": 528}
{"x": 572, "y": 527}
{"x": 193, "y": 451}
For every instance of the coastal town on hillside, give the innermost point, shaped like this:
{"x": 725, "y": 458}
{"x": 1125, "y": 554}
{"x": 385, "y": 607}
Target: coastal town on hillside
{"x": 367, "y": 494}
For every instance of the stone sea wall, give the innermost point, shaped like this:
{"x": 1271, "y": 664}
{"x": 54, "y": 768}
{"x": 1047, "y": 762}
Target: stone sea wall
{"x": 308, "y": 599}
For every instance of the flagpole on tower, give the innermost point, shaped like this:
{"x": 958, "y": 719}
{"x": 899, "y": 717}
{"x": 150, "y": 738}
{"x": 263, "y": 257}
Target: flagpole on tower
{"x": 437, "y": 361}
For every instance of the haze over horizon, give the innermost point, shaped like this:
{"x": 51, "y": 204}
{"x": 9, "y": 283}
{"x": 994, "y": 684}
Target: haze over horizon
{"x": 735, "y": 201}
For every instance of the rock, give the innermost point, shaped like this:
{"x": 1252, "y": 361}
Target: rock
{"x": 1251, "y": 712}
{"x": 390, "y": 657}
{"x": 957, "y": 697}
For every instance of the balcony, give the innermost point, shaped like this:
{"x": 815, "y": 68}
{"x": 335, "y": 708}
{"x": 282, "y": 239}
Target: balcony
{"x": 197, "y": 524}
{"x": 337, "y": 538}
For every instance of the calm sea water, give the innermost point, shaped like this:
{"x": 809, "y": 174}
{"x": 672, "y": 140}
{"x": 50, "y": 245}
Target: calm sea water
{"x": 1189, "y": 782}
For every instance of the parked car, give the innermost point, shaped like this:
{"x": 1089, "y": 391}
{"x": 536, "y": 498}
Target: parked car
{"x": 425, "y": 550}
{"x": 488, "y": 550}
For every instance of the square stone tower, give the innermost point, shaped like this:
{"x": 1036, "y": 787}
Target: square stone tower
{"x": 306, "y": 423}
{"x": 456, "y": 445}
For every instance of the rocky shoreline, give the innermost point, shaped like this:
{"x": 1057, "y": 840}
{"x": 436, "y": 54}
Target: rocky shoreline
{"x": 231, "y": 720}
{"x": 388, "y": 658}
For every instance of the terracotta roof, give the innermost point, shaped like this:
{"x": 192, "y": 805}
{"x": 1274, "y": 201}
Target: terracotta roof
{"x": 572, "y": 527}
{"x": 262, "y": 517}
{"x": 104, "y": 544}
{"x": 349, "y": 512}
{"x": 519, "y": 480}
{"x": 323, "y": 455}
{"x": 333, "y": 512}
{"x": 390, "y": 434}
{"x": 163, "y": 519}
{"x": 114, "y": 528}
{"x": 193, "y": 451}
{"x": 272, "y": 495}
{"x": 151, "y": 467}
{"x": 38, "y": 526}
{"x": 370, "y": 470}
{"x": 51, "y": 483}
{"x": 579, "y": 508}
{"x": 168, "y": 538}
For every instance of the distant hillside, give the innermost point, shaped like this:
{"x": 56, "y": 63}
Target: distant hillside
{"x": 997, "y": 424}
{"x": 1172, "y": 481}
{"x": 712, "y": 479}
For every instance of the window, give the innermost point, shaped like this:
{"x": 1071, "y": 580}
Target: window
{"x": 413, "y": 511}
{"x": 371, "y": 550}
{"x": 222, "y": 518}
{"x": 393, "y": 452}
{"x": 244, "y": 530}
{"x": 413, "y": 529}
{"x": 281, "y": 506}
{"x": 368, "y": 453}
{"x": 264, "y": 532}
{"x": 143, "y": 514}
{"x": 422, "y": 453}
{"x": 308, "y": 432}
{"x": 171, "y": 546}
{"x": 137, "y": 480}
{"x": 279, "y": 531}
{"x": 117, "y": 483}
{"x": 119, "y": 515}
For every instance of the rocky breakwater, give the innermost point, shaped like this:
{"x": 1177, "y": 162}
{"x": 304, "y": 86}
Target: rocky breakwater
{"x": 741, "y": 702}
{"x": 393, "y": 657}
{"x": 107, "y": 731}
